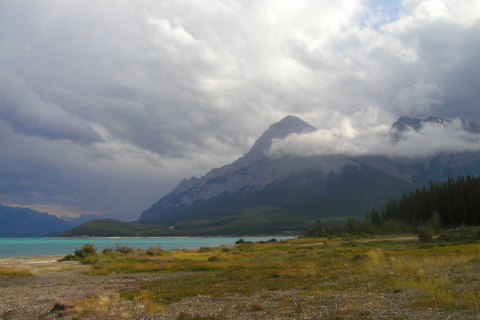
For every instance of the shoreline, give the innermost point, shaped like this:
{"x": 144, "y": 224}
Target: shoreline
{"x": 26, "y": 247}
{"x": 19, "y": 259}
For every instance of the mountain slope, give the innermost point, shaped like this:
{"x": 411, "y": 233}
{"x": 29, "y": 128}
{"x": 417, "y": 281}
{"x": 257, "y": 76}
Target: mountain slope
{"x": 302, "y": 189}
{"x": 24, "y": 222}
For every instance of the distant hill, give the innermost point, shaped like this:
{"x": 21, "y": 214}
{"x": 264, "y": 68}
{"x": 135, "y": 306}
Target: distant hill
{"x": 116, "y": 228}
{"x": 73, "y": 222}
{"x": 292, "y": 191}
{"x": 25, "y": 222}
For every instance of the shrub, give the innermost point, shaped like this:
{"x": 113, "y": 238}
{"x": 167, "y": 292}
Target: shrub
{"x": 107, "y": 250}
{"x": 317, "y": 231}
{"x": 123, "y": 248}
{"x": 89, "y": 248}
{"x": 213, "y": 258}
{"x": 69, "y": 257}
{"x": 425, "y": 234}
{"x": 80, "y": 253}
{"x": 256, "y": 307}
{"x": 155, "y": 250}
{"x": 351, "y": 225}
{"x": 360, "y": 257}
{"x": 394, "y": 226}
{"x": 435, "y": 221}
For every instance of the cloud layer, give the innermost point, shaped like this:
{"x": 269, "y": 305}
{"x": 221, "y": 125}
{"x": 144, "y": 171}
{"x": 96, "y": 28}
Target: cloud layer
{"x": 104, "y": 106}
{"x": 345, "y": 139}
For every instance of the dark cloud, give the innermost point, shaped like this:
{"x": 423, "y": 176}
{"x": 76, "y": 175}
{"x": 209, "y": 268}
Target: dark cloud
{"x": 101, "y": 101}
{"x": 26, "y": 112}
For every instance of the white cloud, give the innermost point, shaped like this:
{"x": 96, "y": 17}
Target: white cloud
{"x": 344, "y": 139}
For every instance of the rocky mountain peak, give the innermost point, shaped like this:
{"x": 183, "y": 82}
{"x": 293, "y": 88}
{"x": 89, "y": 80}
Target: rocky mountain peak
{"x": 257, "y": 152}
{"x": 405, "y": 123}
{"x": 278, "y": 130}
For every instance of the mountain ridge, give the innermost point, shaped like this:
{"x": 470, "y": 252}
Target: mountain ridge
{"x": 25, "y": 222}
{"x": 255, "y": 180}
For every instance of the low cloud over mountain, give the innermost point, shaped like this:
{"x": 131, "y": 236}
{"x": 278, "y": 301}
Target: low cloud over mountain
{"x": 429, "y": 139}
{"x": 295, "y": 174}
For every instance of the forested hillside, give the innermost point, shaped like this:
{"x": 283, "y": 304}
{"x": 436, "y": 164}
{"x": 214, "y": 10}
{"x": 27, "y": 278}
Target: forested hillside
{"x": 457, "y": 201}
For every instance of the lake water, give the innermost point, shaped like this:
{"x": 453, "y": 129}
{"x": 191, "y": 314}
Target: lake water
{"x": 19, "y": 247}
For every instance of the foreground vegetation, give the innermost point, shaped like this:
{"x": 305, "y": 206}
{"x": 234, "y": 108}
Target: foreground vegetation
{"x": 15, "y": 272}
{"x": 301, "y": 274}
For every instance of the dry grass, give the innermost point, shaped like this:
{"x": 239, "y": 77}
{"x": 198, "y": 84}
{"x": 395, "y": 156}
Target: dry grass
{"x": 112, "y": 306}
{"x": 430, "y": 272}
{"x": 443, "y": 277}
{"x": 15, "y": 272}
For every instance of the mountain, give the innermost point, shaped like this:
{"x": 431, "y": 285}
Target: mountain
{"x": 116, "y": 228}
{"x": 278, "y": 194}
{"x": 84, "y": 218}
{"x": 24, "y": 222}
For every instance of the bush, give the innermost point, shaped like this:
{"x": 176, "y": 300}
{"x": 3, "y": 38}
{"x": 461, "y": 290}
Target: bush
{"x": 394, "y": 226}
{"x": 367, "y": 227}
{"x": 317, "y": 231}
{"x": 154, "y": 250}
{"x": 107, "y": 250}
{"x": 256, "y": 307}
{"x": 80, "y": 253}
{"x": 89, "y": 248}
{"x": 213, "y": 258}
{"x": 425, "y": 234}
{"x": 123, "y": 248}
{"x": 69, "y": 257}
{"x": 435, "y": 221}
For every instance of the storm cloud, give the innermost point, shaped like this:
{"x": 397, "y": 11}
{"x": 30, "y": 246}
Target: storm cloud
{"x": 105, "y": 106}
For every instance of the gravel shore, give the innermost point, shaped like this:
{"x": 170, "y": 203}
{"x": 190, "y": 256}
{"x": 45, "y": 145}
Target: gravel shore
{"x": 34, "y": 298}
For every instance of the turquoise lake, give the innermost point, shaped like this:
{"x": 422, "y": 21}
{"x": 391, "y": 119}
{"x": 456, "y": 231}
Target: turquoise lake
{"x": 19, "y": 247}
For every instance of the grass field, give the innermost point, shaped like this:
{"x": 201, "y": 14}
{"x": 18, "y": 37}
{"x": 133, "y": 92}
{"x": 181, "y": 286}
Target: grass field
{"x": 444, "y": 276}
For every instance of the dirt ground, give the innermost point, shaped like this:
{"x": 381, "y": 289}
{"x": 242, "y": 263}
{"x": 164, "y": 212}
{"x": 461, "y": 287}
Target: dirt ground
{"x": 53, "y": 281}
{"x": 34, "y": 298}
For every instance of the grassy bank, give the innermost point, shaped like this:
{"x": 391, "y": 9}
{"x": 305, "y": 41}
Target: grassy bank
{"x": 441, "y": 275}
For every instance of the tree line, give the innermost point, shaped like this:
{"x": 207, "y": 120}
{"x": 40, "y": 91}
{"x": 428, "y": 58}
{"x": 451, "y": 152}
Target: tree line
{"x": 452, "y": 203}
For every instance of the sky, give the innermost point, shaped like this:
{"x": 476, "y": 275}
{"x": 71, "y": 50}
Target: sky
{"x": 106, "y": 105}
